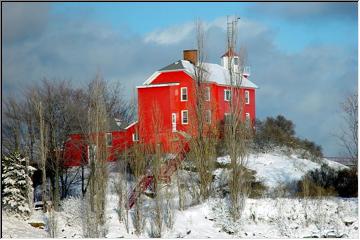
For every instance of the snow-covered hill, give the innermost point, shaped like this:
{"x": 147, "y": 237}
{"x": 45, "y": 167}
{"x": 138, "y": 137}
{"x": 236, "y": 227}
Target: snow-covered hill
{"x": 264, "y": 217}
{"x": 277, "y": 168}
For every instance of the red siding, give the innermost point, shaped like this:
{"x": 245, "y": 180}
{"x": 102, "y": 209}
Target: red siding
{"x": 75, "y": 151}
{"x": 155, "y": 108}
{"x": 76, "y": 148}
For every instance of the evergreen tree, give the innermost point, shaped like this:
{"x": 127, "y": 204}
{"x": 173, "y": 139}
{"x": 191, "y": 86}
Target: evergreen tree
{"x": 16, "y": 185}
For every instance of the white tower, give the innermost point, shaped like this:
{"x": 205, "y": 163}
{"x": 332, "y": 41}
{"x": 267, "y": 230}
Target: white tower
{"x": 235, "y": 61}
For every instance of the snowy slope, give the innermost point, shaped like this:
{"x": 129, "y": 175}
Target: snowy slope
{"x": 264, "y": 217}
{"x": 15, "y": 228}
{"x": 276, "y": 168}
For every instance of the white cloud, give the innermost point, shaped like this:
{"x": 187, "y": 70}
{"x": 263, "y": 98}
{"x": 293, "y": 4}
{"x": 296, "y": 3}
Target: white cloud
{"x": 171, "y": 35}
{"x": 178, "y": 33}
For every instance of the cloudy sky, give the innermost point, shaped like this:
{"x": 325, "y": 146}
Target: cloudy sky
{"x": 303, "y": 56}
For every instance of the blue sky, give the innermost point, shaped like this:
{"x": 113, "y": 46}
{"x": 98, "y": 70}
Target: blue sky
{"x": 142, "y": 18}
{"x": 303, "y": 56}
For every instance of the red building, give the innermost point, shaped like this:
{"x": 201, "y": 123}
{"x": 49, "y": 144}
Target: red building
{"x": 166, "y": 106}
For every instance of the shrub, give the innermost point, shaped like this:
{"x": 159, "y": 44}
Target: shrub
{"x": 257, "y": 189}
{"x": 308, "y": 188}
{"x": 328, "y": 182}
{"x": 310, "y": 148}
{"x": 347, "y": 183}
{"x": 278, "y": 131}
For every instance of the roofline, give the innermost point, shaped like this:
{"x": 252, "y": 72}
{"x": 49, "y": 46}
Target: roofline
{"x": 151, "y": 78}
{"x": 159, "y": 85}
{"x": 157, "y": 73}
{"x": 131, "y": 124}
{"x": 229, "y": 85}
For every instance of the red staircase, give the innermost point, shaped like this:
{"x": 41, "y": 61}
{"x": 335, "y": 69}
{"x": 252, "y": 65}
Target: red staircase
{"x": 166, "y": 172}
{"x": 140, "y": 187}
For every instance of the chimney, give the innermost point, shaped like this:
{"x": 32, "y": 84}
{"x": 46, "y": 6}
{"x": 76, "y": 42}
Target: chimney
{"x": 191, "y": 56}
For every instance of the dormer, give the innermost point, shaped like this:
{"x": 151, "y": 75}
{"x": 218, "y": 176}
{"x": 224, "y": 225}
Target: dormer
{"x": 235, "y": 63}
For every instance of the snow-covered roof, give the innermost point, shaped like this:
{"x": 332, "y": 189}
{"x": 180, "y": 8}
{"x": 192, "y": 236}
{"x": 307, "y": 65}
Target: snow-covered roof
{"x": 214, "y": 73}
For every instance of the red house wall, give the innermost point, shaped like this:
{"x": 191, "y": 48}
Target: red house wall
{"x": 75, "y": 151}
{"x": 76, "y": 148}
{"x": 156, "y": 104}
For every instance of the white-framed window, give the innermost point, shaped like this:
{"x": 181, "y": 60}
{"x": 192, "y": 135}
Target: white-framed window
{"x": 227, "y": 95}
{"x": 208, "y": 116}
{"x": 184, "y": 117}
{"x": 247, "y": 97}
{"x": 109, "y": 139}
{"x": 247, "y": 119}
{"x": 184, "y": 94}
{"x": 236, "y": 61}
{"x": 207, "y": 94}
{"x": 135, "y": 137}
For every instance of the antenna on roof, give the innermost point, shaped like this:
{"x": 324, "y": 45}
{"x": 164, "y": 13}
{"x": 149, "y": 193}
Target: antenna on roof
{"x": 232, "y": 32}
{"x": 231, "y": 46}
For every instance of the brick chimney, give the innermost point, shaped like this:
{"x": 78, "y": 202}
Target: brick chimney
{"x": 191, "y": 56}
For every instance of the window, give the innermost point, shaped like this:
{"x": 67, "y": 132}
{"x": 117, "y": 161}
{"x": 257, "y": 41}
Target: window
{"x": 135, "y": 137}
{"x": 207, "y": 94}
{"x": 208, "y": 116}
{"x": 236, "y": 61}
{"x": 184, "y": 117}
{"x": 247, "y": 97}
{"x": 247, "y": 119}
{"x": 227, "y": 95}
{"x": 184, "y": 94}
{"x": 108, "y": 139}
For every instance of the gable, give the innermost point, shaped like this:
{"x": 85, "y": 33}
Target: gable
{"x": 170, "y": 77}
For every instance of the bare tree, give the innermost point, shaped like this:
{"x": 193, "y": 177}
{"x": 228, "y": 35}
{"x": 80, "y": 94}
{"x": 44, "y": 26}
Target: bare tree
{"x": 180, "y": 184}
{"x": 140, "y": 156}
{"x": 237, "y": 132}
{"x": 121, "y": 187}
{"x": 202, "y": 145}
{"x": 349, "y": 133}
{"x": 157, "y": 160}
{"x": 43, "y": 149}
{"x": 11, "y": 125}
{"x": 98, "y": 126}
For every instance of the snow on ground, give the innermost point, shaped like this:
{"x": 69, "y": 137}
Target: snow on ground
{"x": 195, "y": 222}
{"x": 276, "y": 168}
{"x": 13, "y": 227}
{"x": 334, "y": 165}
{"x": 287, "y": 217}
{"x": 262, "y": 218}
